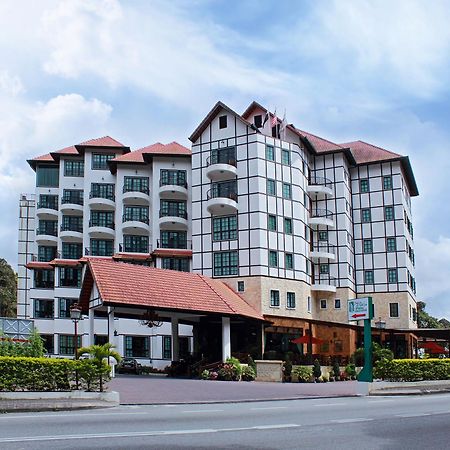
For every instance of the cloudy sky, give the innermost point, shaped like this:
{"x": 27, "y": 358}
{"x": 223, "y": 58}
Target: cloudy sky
{"x": 146, "y": 71}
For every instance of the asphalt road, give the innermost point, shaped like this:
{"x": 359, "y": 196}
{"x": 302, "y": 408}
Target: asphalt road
{"x": 410, "y": 422}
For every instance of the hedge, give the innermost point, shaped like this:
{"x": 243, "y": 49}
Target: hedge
{"x": 412, "y": 369}
{"x": 46, "y": 374}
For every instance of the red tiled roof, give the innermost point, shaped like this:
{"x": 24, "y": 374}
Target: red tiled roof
{"x": 365, "y": 153}
{"x": 320, "y": 144}
{"x": 140, "y": 286}
{"x": 172, "y": 252}
{"x": 71, "y": 150}
{"x": 39, "y": 265}
{"x": 105, "y": 141}
{"x": 40, "y": 159}
{"x": 132, "y": 256}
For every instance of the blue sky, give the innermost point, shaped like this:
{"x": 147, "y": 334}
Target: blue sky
{"x": 146, "y": 71}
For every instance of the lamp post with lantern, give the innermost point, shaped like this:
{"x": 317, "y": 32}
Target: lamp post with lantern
{"x": 75, "y": 315}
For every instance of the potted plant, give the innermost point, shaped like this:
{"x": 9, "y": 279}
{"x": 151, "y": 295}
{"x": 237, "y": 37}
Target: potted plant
{"x": 287, "y": 371}
{"x": 336, "y": 371}
{"x": 317, "y": 370}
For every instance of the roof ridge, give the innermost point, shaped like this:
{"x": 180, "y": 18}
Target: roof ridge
{"x": 380, "y": 148}
{"x": 318, "y": 137}
{"x": 217, "y": 293}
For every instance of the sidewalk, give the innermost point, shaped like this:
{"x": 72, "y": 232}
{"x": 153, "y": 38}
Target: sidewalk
{"x": 144, "y": 390}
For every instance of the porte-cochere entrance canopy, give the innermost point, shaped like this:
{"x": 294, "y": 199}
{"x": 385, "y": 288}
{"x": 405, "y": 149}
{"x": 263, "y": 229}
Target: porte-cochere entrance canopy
{"x": 121, "y": 289}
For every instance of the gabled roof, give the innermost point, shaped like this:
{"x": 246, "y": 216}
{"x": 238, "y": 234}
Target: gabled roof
{"x": 122, "y": 284}
{"x": 105, "y": 142}
{"x": 211, "y": 115}
{"x": 47, "y": 158}
{"x": 71, "y": 150}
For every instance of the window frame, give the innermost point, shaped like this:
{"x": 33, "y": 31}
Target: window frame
{"x": 270, "y": 152}
{"x": 364, "y": 185}
{"x": 73, "y": 168}
{"x": 396, "y": 310}
{"x": 274, "y": 298}
{"x": 271, "y": 187}
{"x": 273, "y": 258}
{"x": 231, "y": 268}
{"x": 366, "y": 215}
{"x": 99, "y": 161}
{"x": 369, "y": 277}
{"x": 290, "y": 300}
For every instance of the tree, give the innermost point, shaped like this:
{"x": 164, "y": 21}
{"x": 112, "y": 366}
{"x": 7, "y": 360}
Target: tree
{"x": 424, "y": 320}
{"x": 8, "y": 290}
{"x": 98, "y": 354}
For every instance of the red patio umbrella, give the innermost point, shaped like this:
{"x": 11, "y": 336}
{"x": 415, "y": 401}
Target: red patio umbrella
{"x": 432, "y": 347}
{"x": 306, "y": 340}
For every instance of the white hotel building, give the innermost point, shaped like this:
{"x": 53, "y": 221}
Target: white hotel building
{"x": 297, "y": 226}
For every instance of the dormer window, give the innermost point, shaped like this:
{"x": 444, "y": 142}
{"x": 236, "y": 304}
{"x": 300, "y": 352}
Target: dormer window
{"x": 222, "y": 122}
{"x": 257, "y": 120}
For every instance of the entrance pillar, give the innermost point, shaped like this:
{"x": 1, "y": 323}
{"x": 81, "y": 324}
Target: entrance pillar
{"x": 91, "y": 326}
{"x": 175, "y": 340}
{"x": 226, "y": 338}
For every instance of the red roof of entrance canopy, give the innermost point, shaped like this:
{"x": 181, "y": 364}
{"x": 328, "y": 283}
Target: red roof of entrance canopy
{"x": 122, "y": 284}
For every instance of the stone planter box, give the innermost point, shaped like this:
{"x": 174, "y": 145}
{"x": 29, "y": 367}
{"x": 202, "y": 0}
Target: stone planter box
{"x": 269, "y": 370}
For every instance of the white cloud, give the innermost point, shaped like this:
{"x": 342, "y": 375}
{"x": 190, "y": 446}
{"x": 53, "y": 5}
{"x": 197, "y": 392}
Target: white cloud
{"x": 10, "y": 84}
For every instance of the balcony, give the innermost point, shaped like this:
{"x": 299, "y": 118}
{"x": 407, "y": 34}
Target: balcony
{"x": 136, "y": 195}
{"x": 102, "y": 201}
{"x": 101, "y": 230}
{"x": 173, "y": 219}
{"x": 173, "y": 189}
{"x": 321, "y": 218}
{"x": 221, "y": 165}
{"x": 183, "y": 244}
{"x": 72, "y": 205}
{"x": 69, "y": 283}
{"x": 71, "y": 234}
{"x": 135, "y": 224}
{"x": 47, "y": 210}
{"x": 88, "y": 251}
{"x": 47, "y": 236}
{"x": 324, "y": 283}
{"x": 321, "y": 187}
{"x": 46, "y": 258}
{"x": 322, "y": 250}
{"x": 222, "y": 200}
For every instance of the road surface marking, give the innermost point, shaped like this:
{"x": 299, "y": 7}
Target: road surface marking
{"x": 65, "y": 416}
{"x": 330, "y": 404}
{"x": 379, "y": 401}
{"x": 357, "y": 419}
{"x": 413, "y": 415}
{"x": 143, "y": 433}
{"x": 269, "y": 407}
{"x": 203, "y": 411}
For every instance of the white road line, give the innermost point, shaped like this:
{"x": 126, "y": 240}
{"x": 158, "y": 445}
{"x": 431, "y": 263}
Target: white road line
{"x": 203, "y": 411}
{"x": 143, "y": 433}
{"x": 357, "y": 419}
{"x": 413, "y": 415}
{"x": 269, "y": 407}
{"x": 330, "y": 404}
{"x": 380, "y": 401}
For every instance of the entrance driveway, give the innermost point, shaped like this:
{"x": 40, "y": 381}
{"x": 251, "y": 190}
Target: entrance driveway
{"x": 144, "y": 389}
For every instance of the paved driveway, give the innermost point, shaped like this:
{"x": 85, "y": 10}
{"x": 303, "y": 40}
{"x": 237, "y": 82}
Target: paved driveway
{"x": 144, "y": 389}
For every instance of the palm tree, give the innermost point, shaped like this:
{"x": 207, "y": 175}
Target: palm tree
{"x": 98, "y": 353}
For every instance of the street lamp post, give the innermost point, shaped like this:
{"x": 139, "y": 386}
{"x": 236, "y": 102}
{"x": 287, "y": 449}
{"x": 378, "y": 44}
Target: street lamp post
{"x": 381, "y": 325}
{"x": 75, "y": 315}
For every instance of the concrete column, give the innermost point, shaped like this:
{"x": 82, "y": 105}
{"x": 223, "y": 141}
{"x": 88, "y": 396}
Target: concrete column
{"x": 91, "y": 327}
{"x": 175, "y": 340}
{"x": 111, "y": 338}
{"x": 226, "y": 338}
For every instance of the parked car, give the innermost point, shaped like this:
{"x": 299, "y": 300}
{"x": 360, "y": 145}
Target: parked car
{"x": 129, "y": 365}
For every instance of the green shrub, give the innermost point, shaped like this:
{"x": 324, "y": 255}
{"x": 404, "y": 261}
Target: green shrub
{"x": 236, "y": 364}
{"x": 205, "y": 374}
{"x": 33, "y": 347}
{"x": 350, "y": 370}
{"x": 303, "y": 374}
{"x": 228, "y": 372}
{"x": 378, "y": 353}
{"x": 248, "y": 374}
{"x": 336, "y": 370}
{"x": 412, "y": 369}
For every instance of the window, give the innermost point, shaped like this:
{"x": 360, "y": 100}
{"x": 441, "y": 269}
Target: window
{"x": 140, "y": 213}
{"x": 71, "y": 251}
{"x": 102, "y": 219}
{"x": 225, "y": 263}
{"x": 307, "y": 266}
{"x": 324, "y": 269}
{"x": 137, "y": 346}
{"x": 224, "y": 228}
{"x": 240, "y": 286}
{"x": 173, "y": 177}
{"x": 102, "y": 190}
{"x": 290, "y": 300}
{"x": 391, "y": 244}
{"x": 389, "y": 213}
{"x": 272, "y": 223}
{"x": 285, "y": 157}
{"x": 179, "y": 264}
{"x": 223, "y": 155}
{"x": 43, "y": 309}
{"x": 48, "y": 227}
{"x": 172, "y": 208}
{"x": 323, "y": 304}
{"x": 72, "y": 223}
{"x": 222, "y": 122}
{"x": 173, "y": 239}
{"x": 286, "y": 190}
{"x": 47, "y": 176}
{"x": 167, "y": 347}
{"x": 135, "y": 244}
{"x": 289, "y": 261}
{"x": 44, "y": 279}
{"x": 102, "y": 247}
{"x": 257, "y": 121}
{"x": 308, "y": 304}
{"x": 323, "y": 235}
{"x": 74, "y": 196}
{"x": 100, "y": 160}
{"x": 271, "y": 187}
{"x": 46, "y": 253}
{"x": 287, "y": 225}
{"x": 337, "y": 303}
{"x": 135, "y": 184}
{"x": 387, "y": 182}
{"x": 368, "y": 276}
{"x": 100, "y": 339}
{"x": 367, "y": 246}
{"x": 274, "y": 298}
{"x": 414, "y": 312}
{"x": 270, "y": 153}
{"x": 393, "y": 310}
{"x": 365, "y": 215}
{"x": 69, "y": 277}
{"x": 364, "y": 185}
{"x": 273, "y": 258}
{"x": 49, "y": 344}
{"x": 48, "y": 201}
{"x": 392, "y": 275}
{"x": 226, "y": 189}
{"x": 67, "y": 344}
{"x": 73, "y": 168}
{"x": 64, "y": 307}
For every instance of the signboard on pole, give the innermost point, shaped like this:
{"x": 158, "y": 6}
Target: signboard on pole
{"x": 359, "y": 309}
